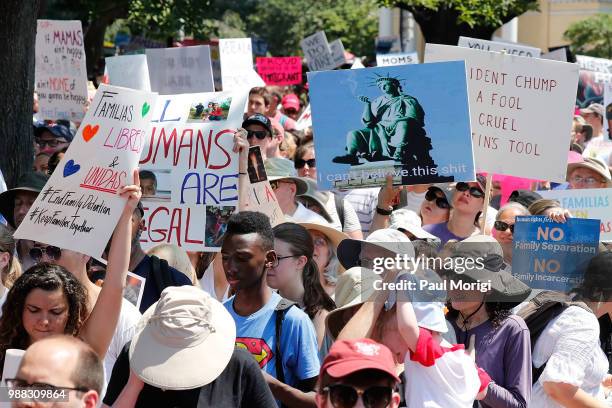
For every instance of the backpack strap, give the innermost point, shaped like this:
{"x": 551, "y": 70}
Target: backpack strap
{"x": 339, "y": 202}
{"x": 281, "y": 310}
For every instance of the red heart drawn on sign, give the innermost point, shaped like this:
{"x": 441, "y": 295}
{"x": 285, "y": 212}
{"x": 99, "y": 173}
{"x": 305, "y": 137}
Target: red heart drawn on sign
{"x": 90, "y": 131}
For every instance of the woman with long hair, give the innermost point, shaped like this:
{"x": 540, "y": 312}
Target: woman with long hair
{"x": 48, "y": 299}
{"x": 10, "y": 268}
{"x": 467, "y": 203}
{"x": 483, "y": 320}
{"x": 296, "y": 275}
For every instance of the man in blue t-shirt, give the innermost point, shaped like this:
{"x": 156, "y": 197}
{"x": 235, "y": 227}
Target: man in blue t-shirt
{"x": 247, "y": 253}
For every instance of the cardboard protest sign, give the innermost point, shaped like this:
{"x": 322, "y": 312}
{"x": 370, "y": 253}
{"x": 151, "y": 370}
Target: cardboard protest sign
{"x": 499, "y": 46}
{"x": 60, "y": 72}
{"x": 411, "y": 121}
{"x": 305, "y": 119}
{"x": 180, "y": 70}
{"x": 317, "y": 52}
{"x": 521, "y": 109}
{"x": 591, "y": 86}
{"x": 78, "y": 208}
{"x": 387, "y": 60}
{"x": 261, "y": 195}
{"x": 357, "y": 64}
{"x": 129, "y": 71}
{"x": 594, "y": 64}
{"x": 189, "y": 146}
{"x": 337, "y": 51}
{"x": 237, "y": 71}
{"x": 593, "y": 203}
{"x": 551, "y": 255}
{"x": 280, "y": 71}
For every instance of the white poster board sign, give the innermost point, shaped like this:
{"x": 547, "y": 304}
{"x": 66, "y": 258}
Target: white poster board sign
{"x": 387, "y": 60}
{"x": 594, "y": 64}
{"x": 60, "y": 71}
{"x": 499, "y": 46}
{"x": 237, "y": 71}
{"x": 129, "y": 71}
{"x": 587, "y": 203}
{"x": 520, "y": 111}
{"x": 317, "y": 52}
{"x": 190, "y": 146}
{"x": 180, "y": 70}
{"x": 261, "y": 196}
{"x": 305, "y": 119}
{"x": 78, "y": 208}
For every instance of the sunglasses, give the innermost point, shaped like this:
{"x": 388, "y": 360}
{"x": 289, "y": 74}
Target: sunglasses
{"x": 259, "y": 134}
{"x": 346, "y": 396}
{"x": 441, "y": 202}
{"x": 475, "y": 192}
{"x": 52, "y": 252}
{"x": 502, "y": 226}
{"x": 299, "y": 163}
{"x": 51, "y": 143}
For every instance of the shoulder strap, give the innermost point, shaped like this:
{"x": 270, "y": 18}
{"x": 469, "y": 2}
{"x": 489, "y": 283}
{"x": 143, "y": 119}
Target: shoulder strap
{"x": 281, "y": 309}
{"x": 339, "y": 202}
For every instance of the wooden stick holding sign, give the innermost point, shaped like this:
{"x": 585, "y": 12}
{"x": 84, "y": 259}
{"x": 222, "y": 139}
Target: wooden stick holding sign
{"x": 485, "y": 205}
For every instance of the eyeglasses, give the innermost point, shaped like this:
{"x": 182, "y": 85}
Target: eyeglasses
{"x": 589, "y": 181}
{"x": 320, "y": 242}
{"x": 50, "y": 143}
{"x": 475, "y": 192}
{"x": 299, "y": 163}
{"x": 502, "y": 226}
{"x": 52, "y": 252}
{"x": 13, "y": 383}
{"x": 259, "y": 134}
{"x": 346, "y": 396}
{"x": 441, "y": 202}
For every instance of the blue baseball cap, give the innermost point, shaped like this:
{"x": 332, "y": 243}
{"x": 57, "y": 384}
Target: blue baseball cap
{"x": 56, "y": 130}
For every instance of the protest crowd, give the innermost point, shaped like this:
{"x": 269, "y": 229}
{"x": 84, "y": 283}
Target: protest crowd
{"x": 489, "y": 288}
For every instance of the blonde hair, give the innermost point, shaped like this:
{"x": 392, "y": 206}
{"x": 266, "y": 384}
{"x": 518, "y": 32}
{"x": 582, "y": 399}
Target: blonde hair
{"x": 12, "y": 271}
{"x": 177, "y": 258}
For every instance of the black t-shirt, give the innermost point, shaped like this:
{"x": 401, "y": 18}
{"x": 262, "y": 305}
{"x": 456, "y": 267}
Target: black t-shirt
{"x": 151, "y": 292}
{"x": 241, "y": 384}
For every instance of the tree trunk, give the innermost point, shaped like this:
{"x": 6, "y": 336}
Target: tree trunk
{"x": 440, "y": 27}
{"x": 17, "y": 42}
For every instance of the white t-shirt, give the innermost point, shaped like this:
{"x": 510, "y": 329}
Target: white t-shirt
{"x": 126, "y": 326}
{"x": 303, "y": 214}
{"x": 207, "y": 283}
{"x": 569, "y": 345}
{"x": 351, "y": 220}
{"x": 441, "y": 375}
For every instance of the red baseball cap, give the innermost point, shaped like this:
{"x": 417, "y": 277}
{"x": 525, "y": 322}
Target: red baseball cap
{"x": 291, "y": 101}
{"x": 349, "y": 356}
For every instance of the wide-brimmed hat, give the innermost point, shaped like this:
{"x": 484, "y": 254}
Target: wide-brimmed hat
{"x": 183, "y": 341}
{"x": 278, "y": 168}
{"x": 486, "y": 251}
{"x": 353, "y": 288}
{"x": 594, "y": 164}
{"x": 317, "y": 196}
{"x": 596, "y": 108}
{"x": 407, "y": 220}
{"x": 30, "y": 181}
{"x": 349, "y": 250}
{"x": 334, "y": 236}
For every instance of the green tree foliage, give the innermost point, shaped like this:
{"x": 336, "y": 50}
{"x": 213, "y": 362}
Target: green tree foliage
{"x": 592, "y": 36}
{"x": 284, "y": 23}
{"x": 444, "y": 21}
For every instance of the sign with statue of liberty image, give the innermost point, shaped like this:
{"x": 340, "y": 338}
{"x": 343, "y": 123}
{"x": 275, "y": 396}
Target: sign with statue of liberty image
{"x": 411, "y": 121}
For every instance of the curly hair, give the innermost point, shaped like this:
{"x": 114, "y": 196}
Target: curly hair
{"x": 300, "y": 243}
{"x": 497, "y": 312}
{"x": 48, "y": 277}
